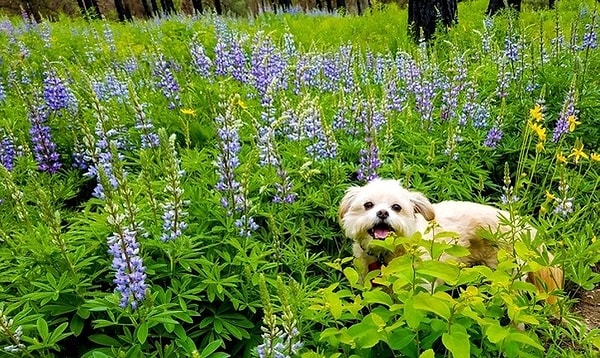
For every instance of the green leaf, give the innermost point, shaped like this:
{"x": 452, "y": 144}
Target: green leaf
{"x": 76, "y": 325}
{"x": 523, "y": 338}
{"x": 351, "y": 275}
{"x": 210, "y": 348}
{"x": 445, "y": 271}
{"x": 104, "y": 340}
{"x": 495, "y": 333}
{"x": 142, "y": 332}
{"x": 427, "y": 354}
{"x": 42, "y": 328}
{"x": 425, "y": 302}
{"x": 457, "y": 343}
{"x": 57, "y": 334}
{"x": 412, "y": 316}
{"x": 377, "y": 296}
{"x": 400, "y": 338}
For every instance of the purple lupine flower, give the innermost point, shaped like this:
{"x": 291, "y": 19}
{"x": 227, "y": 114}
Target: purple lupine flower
{"x": 308, "y": 68}
{"x": 345, "y": 58}
{"x": 284, "y": 193}
{"x": 266, "y": 145}
{"x": 202, "y": 63}
{"x": 289, "y": 47}
{"x": 165, "y": 80}
{"x": 369, "y": 160}
{"x": 590, "y": 38}
{"x": 246, "y": 225}
{"x": 511, "y": 49}
{"x": 109, "y": 38}
{"x": 43, "y": 147}
{"x": 144, "y": 125}
{"x": 493, "y": 137}
{"x": 8, "y": 153}
{"x": 46, "y": 34}
{"x": 323, "y": 145}
{"x": 267, "y": 66}
{"x": 503, "y": 81}
{"x": 227, "y": 161}
{"x": 331, "y": 73}
{"x": 395, "y": 98}
{"x": 130, "y": 65}
{"x": 568, "y": 110}
{"x": 56, "y": 94}
{"x": 130, "y": 272}
{"x": 173, "y": 210}
{"x": 2, "y": 93}
{"x": 111, "y": 87}
{"x": 453, "y": 90}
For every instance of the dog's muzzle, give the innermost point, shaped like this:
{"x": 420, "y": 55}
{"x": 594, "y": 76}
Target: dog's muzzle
{"x": 381, "y": 230}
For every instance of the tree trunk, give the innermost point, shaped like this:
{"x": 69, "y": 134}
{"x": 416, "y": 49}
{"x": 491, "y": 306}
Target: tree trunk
{"x": 496, "y": 5}
{"x": 551, "y": 4}
{"x": 148, "y": 12}
{"x": 340, "y": 4}
{"x": 167, "y": 6}
{"x": 218, "y": 7}
{"x": 197, "y": 4}
{"x": 122, "y": 10}
{"x": 285, "y": 5}
{"x": 424, "y": 15}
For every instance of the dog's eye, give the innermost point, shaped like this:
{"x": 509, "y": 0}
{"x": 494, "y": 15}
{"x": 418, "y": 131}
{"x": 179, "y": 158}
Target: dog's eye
{"x": 396, "y": 207}
{"x": 368, "y": 205}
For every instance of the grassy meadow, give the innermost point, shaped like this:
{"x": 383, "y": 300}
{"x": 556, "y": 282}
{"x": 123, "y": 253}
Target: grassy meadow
{"x": 170, "y": 187}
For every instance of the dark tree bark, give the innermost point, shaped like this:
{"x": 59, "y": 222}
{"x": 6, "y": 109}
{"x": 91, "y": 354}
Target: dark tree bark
{"x": 340, "y": 4}
{"x": 167, "y": 6}
{"x": 551, "y": 4}
{"x": 496, "y": 5}
{"x": 122, "y": 10}
{"x": 329, "y": 5}
{"x": 148, "y": 11}
{"x": 424, "y": 16}
{"x": 218, "y": 7}
{"x": 285, "y": 5}
{"x": 155, "y": 11}
{"x": 197, "y": 4}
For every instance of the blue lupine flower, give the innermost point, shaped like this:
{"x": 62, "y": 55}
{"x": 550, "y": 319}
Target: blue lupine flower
{"x": 267, "y": 66}
{"x": 165, "y": 80}
{"x": 590, "y": 39}
{"x": 323, "y": 145}
{"x": 130, "y": 272}
{"x": 568, "y": 110}
{"x": 44, "y": 148}
{"x": 145, "y": 126}
{"x": 493, "y": 137}
{"x": 369, "y": 160}
{"x": 2, "y": 93}
{"x": 173, "y": 210}
{"x": 8, "y": 152}
{"x": 511, "y": 49}
{"x": 202, "y": 63}
{"x": 56, "y": 94}
{"x": 284, "y": 193}
{"x": 109, "y": 38}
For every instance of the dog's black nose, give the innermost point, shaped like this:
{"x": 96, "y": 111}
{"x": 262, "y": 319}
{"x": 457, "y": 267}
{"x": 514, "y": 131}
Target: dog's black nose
{"x": 383, "y": 214}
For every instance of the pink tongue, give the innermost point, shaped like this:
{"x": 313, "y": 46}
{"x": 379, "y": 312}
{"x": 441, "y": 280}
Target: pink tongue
{"x": 381, "y": 233}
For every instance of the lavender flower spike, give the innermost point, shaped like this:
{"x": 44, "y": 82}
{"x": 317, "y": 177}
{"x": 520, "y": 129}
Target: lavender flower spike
{"x": 174, "y": 213}
{"x": 43, "y": 146}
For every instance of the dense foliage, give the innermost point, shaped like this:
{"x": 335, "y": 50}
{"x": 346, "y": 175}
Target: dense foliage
{"x": 170, "y": 187}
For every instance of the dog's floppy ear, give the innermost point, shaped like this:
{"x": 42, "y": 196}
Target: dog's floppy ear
{"x": 347, "y": 201}
{"x": 422, "y": 205}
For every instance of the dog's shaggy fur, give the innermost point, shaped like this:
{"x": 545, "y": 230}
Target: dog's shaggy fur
{"x": 383, "y": 207}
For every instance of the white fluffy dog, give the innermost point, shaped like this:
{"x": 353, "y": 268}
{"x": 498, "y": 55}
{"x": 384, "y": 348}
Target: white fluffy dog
{"x": 383, "y": 207}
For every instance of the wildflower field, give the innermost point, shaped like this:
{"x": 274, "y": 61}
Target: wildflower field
{"x": 170, "y": 187}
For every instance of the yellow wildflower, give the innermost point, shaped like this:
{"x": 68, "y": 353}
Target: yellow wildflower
{"x": 577, "y": 153}
{"x": 561, "y": 158}
{"x": 536, "y": 113}
{"x": 539, "y": 130}
{"x": 550, "y": 196}
{"x": 595, "y": 157}
{"x": 543, "y": 209}
{"x": 539, "y": 147}
{"x": 573, "y": 122}
{"x": 188, "y": 111}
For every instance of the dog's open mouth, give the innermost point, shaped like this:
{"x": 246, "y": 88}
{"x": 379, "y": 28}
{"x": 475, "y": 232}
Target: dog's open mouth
{"x": 381, "y": 231}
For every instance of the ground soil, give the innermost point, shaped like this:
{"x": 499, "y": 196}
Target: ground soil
{"x": 589, "y": 308}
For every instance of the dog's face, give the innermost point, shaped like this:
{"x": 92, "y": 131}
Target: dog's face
{"x": 380, "y": 208}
